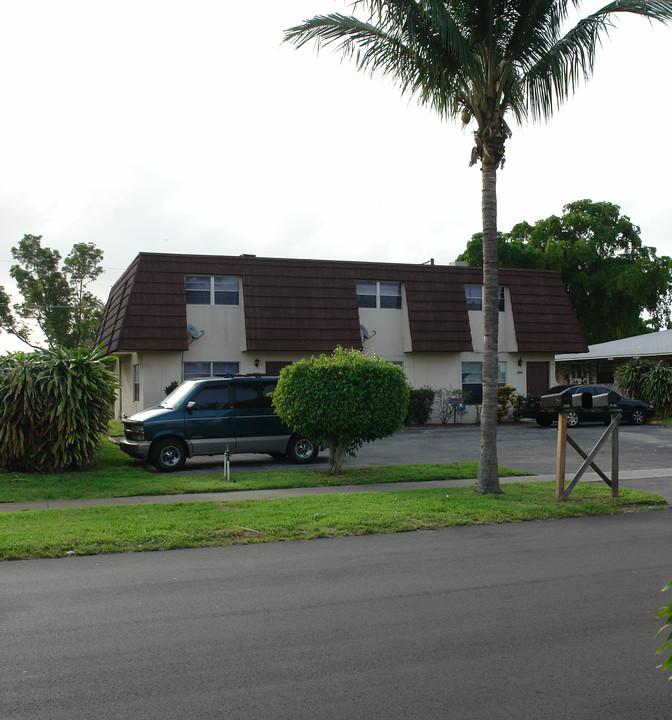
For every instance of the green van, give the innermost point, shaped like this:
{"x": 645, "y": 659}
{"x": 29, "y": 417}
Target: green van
{"x": 213, "y": 416}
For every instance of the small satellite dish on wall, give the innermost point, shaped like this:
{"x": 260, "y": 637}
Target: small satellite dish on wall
{"x": 365, "y": 333}
{"x": 194, "y": 332}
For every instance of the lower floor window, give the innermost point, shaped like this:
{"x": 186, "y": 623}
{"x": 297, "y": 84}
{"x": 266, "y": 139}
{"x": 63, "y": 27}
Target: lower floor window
{"x": 209, "y": 369}
{"x": 472, "y": 381}
{"x": 136, "y": 383}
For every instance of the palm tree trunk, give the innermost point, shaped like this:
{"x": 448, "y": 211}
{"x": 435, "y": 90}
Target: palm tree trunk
{"x": 488, "y": 477}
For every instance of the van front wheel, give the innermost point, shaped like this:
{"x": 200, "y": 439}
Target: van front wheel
{"x": 168, "y": 455}
{"x": 302, "y": 450}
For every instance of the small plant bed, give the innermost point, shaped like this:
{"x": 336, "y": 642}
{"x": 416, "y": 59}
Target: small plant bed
{"x": 123, "y": 528}
{"x": 114, "y": 475}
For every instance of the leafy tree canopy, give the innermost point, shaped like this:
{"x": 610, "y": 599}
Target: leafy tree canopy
{"x": 612, "y": 279}
{"x": 345, "y": 399}
{"x": 55, "y": 295}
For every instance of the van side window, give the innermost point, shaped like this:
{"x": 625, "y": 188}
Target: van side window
{"x": 253, "y": 394}
{"x": 212, "y": 397}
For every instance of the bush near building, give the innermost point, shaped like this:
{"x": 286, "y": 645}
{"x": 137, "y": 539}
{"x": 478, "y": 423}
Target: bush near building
{"x": 56, "y": 405}
{"x": 420, "y": 404}
{"x": 648, "y": 381}
{"x": 344, "y": 399}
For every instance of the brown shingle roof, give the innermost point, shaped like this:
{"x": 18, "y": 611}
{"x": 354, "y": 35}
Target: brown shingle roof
{"x": 311, "y": 305}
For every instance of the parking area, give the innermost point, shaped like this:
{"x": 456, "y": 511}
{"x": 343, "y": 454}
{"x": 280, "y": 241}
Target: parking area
{"x": 523, "y": 446}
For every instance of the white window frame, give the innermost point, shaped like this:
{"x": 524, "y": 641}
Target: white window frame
{"x": 380, "y": 295}
{"x": 212, "y": 369}
{"x": 136, "y": 382}
{"x": 214, "y": 290}
{"x": 501, "y": 379}
{"x": 474, "y": 296}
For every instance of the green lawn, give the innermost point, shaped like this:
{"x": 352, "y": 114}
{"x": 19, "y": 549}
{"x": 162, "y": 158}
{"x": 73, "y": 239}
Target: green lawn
{"x": 123, "y": 528}
{"x": 116, "y": 475}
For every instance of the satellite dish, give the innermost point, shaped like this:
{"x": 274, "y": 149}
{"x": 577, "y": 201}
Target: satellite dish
{"x": 194, "y": 332}
{"x": 365, "y": 333}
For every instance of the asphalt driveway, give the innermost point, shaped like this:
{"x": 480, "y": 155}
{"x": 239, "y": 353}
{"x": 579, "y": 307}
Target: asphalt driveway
{"x": 523, "y": 446}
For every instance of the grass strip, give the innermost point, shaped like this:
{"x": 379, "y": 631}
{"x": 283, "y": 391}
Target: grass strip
{"x": 115, "y": 475}
{"x": 123, "y": 528}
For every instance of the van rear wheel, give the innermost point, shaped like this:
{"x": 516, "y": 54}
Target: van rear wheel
{"x": 302, "y": 450}
{"x": 168, "y": 455}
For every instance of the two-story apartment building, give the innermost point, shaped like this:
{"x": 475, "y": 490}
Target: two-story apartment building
{"x": 171, "y": 317}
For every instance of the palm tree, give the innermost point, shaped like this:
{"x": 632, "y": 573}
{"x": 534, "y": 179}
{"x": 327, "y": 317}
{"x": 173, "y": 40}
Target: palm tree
{"x": 479, "y": 61}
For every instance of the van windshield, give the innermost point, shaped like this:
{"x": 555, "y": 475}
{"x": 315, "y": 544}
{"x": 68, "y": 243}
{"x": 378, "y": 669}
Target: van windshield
{"x": 178, "y": 396}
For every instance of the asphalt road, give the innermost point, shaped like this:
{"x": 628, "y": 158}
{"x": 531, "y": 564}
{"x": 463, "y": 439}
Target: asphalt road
{"x": 544, "y": 620}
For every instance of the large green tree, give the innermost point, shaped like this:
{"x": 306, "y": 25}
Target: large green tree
{"x": 481, "y": 61}
{"x": 611, "y": 277}
{"x": 55, "y": 295}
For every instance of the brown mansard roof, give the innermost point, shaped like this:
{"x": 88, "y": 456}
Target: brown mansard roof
{"x": 311, "y": 305}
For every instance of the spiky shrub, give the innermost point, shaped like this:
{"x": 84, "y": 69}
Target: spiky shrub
{"x": 55, "y": 406}
{"x": 657, "y": 388}
{"x": 344, "y": 399}
{"x": 648, "y": 381}
{"x": 630, "y": 376}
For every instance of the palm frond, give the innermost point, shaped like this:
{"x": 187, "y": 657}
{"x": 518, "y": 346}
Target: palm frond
{"x": 419, "y": 45}
{"x": 484, "y": 55}
{"x": 555, "y": 66}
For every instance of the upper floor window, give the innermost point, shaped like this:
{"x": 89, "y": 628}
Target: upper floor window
{"x": 201, "y": 290}
{"x": 379, "y": 294}
{"x": 474, "y": 295}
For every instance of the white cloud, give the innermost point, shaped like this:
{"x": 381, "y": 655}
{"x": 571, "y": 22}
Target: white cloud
{"x": 174, "y": 127}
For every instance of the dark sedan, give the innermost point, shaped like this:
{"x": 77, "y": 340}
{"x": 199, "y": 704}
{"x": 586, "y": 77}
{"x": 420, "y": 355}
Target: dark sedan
{"x": 634, "y": 411}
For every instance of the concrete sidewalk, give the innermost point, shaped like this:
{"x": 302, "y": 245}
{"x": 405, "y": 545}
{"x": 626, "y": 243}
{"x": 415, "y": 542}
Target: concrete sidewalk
{"x": 657, "y": 480}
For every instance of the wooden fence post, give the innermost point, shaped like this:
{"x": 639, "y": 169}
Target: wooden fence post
{"x": 561, "y": 456}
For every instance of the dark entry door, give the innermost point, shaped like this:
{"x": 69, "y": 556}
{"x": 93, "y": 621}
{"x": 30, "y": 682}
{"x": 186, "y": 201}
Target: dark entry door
{"x": 537, "y": 378}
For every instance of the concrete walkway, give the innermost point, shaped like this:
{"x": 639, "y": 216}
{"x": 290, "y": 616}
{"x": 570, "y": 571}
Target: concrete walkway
{"x": 657, "y": 480}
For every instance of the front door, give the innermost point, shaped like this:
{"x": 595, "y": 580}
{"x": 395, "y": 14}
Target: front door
{"x": 537, "y": 378}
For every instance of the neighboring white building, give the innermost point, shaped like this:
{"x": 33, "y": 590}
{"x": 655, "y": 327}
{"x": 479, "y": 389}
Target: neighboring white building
{"x": 171, "y": 317}
{"x": 600, "y": 362}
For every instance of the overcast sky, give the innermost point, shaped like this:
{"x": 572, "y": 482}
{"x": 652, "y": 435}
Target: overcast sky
{"x": 188, "y": 127}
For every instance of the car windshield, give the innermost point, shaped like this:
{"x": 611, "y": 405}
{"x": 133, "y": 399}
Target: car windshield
{"x": 178, "y": 396}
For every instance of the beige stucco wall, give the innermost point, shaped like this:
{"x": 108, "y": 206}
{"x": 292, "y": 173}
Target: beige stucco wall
{"x": 157, "y": 370}
{"x": 223, "y": 340}
{"x": 223, "y": 328}
{"x": 125, "y": 404}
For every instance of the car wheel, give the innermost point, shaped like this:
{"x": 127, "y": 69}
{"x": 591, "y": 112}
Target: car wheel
{"x": 168, "y": 455}
{"x": 302, "y": 450}
{"x": 637, "y": 417}
{"x": 544, "y": 421}
{"x": 572, "y": 419}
